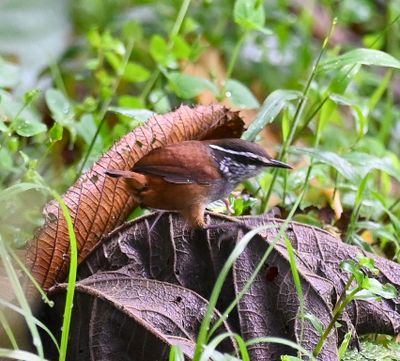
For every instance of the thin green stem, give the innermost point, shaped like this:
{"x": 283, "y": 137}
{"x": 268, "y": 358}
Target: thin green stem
{"x": 7, "y": 328}
{"x": 174, "y": 31}
{"x": 22, "y": 266}
{"x": 179, "y": 21}
{"x": 297, "y": 116}
{"x": 337, "y": 313}
{"x": 235, "y": 55}
{"x": 19, "y": 293}
{"x": 394, "y": 205}
{"x": 104, "y": 108}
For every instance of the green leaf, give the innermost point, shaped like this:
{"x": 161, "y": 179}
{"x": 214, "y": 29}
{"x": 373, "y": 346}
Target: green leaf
{"x": 387, "y": 291}
{"x": 187, "y": 86}
{"x": 250, "y": 15}
{"x": 28, "y": 128}
{"x": 270, "y": 109}
{"x": 345, "y": 344}
{"x": 181, "y": 48}
{"x": 87, "y": 128}
{"x": 6, "y": 161}
{"x": 9, "y": 74}
{"x": 316, "y": 322}
{"x": 135, "y": 72}
{"x": 56, "y": 132}
{"x": 240, "y": 95}
{"x": 59, "y": 106}
{"x": 365, "y": 163}
{"x": 160, "y": 52}
{"x": 334, "y": 160}
{"x": 141, "y": 114}
{"x": 360, "y": 56}
{"x": 3, "y": 126}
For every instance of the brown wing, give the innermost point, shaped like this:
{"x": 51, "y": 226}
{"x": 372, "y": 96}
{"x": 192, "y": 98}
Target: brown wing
{"x": 184, "y": 163}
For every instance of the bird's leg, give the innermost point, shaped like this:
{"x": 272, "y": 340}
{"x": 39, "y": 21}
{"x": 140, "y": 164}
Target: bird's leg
{"x": 195, "y": 215}
{"x": 228, "y": 206}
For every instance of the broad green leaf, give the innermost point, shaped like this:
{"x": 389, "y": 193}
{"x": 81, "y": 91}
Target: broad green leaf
{"x": 345, "y": 168}
{"x": 135, "y": 72}
{"x": 9, "y": 74}
{"x": 129, "y": 101}
{"x": 387, "y": 291}
{"x": 86, "y": 128}
{"x": 160, "y": 52}
{"x": 250, "y": 15}
{"x": 271, "y": 107}
{"x": 187, "y": 86}
{"x": 141, "y": 114}
{"x": 6, "y": 161}
{"x": 240, "y": 95}
{"x": 366, "y": 163}
{"x": 361, "y": 56}
{"x": 343, "y": 78}
{"x": 181, "y": 48}
{"x": 160, "y": 101}
{"x": 361, "y": 121}
{"x": 28, "y": 128}
{"x": 59, "y": 106}
{"x": 56, "y": 132}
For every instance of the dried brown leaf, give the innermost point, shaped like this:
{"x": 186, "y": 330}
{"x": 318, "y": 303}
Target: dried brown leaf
{"x": 191, "y": 260}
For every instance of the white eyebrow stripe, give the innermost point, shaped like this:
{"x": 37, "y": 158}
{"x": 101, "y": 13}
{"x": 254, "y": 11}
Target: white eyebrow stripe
{"x": 247, "y": 154}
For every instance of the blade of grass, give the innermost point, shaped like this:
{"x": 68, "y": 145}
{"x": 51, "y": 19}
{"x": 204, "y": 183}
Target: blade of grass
{"x": 281, "y": 341}
{"x": 20, "y": 295}
{"x": 297, "y": 283}
{"x": 22, "y": 266}
{"x": 37, "y": 322}
{"x": 176, "y": 354}
{"x": 71, "y": 277}
{"x": 212, "y": 346}
{"x": 264, "y": 258}
{"x": 356, "y": 209}
{"x": 297, "y": 116}
{"x": 20, "y": 355}
{"x": 7, "y": 328}
{"x": 205, "y": 325}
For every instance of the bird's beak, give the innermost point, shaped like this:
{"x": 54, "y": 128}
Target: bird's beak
{"x": 278, "y": 164}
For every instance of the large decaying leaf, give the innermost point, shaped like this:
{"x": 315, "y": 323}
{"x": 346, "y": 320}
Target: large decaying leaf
{"x": 98, "y": 204}
{"x": 140, "y": 292}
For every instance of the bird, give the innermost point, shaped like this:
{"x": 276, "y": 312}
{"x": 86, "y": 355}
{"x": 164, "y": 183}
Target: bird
{"x": 187, "y": 176}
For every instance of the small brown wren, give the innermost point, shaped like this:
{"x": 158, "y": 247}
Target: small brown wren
{"x": 186, "y": 176}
